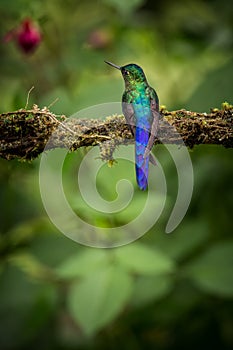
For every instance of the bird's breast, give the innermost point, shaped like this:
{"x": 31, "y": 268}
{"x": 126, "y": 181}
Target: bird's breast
{"x": 142, "y": 110}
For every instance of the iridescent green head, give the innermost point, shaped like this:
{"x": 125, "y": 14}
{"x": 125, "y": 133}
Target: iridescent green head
{"x": 132, "y": 73}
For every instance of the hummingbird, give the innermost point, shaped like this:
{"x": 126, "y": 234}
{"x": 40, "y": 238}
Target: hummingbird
{"x": 140, "y": 106}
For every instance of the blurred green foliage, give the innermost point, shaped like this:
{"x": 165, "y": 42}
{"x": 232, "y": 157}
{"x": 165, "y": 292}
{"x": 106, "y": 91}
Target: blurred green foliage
{"x": 163, "y": 291}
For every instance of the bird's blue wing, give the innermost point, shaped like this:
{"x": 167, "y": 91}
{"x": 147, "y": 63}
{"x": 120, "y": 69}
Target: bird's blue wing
{"x": 128, "y": 112}
{"x": 154, "y": 106}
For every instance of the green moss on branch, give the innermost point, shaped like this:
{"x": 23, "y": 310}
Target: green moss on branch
{"x": 24, "y": 134}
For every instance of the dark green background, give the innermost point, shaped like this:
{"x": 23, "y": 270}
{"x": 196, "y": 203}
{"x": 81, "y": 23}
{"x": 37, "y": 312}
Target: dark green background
{"x": 163, "y": 291}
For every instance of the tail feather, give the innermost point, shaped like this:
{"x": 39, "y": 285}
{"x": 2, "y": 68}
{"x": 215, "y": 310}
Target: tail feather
{"x": 142, "y": 162}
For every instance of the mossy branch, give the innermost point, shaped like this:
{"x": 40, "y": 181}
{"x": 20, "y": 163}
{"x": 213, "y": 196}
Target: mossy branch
{"x": 24, "y": 134}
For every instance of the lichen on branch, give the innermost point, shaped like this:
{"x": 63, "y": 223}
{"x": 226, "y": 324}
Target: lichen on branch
{"x": 24, "y": 134}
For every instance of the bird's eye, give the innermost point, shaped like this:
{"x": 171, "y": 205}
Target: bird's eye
{"x": 125, "y": 72}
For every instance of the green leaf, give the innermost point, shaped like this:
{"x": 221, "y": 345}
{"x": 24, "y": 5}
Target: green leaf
{"x": 212, "y": 272}
{"x": 83, "y": 263}
{"x": 187, "y": 237}
{"x": 51, "y": 248}
{"x": 99, "y": 298}
{"x": 151, "y": 288}
{"x": 142, "y": 259}
{"x": 30, "y": 265}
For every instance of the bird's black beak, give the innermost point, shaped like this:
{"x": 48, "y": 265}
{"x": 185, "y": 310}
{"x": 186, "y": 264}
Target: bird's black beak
{"x": 112, "y": 64}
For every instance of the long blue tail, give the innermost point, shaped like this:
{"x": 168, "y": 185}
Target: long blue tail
{"x": 142, "y": 164}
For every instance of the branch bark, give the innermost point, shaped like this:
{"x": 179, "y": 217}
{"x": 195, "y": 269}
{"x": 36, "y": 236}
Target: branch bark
{"x": 24, "y": 134}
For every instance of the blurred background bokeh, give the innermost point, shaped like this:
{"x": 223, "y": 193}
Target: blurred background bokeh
{"x": 163, "y": 291}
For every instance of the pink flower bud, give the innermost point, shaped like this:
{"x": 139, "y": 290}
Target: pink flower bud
{"x": 27, "y": 36}
{"x": 99, "y": 39}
